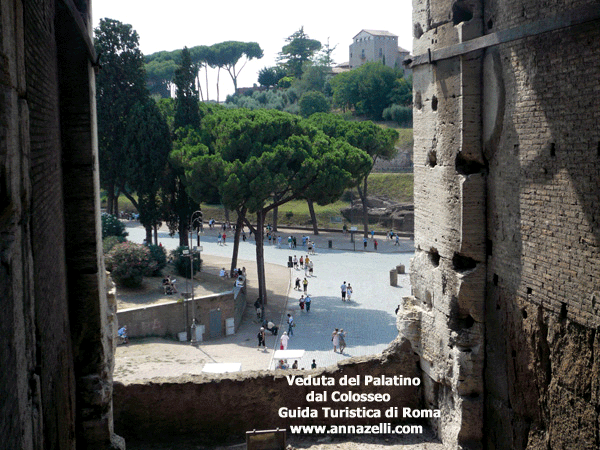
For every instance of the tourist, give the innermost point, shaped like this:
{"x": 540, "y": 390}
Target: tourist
{"x": 301, "y": 262}
{"x": 295, "y": 365}
{"x": 297, "y": 285}
{"x": 301, "y": 302}
{"x": 349, "y": 292}
{"x": 291, "y": 325}
{"x": 262, "y": 338}
{"x": 305, "y": 283}
{"x": 310, "y": 268}
{"x": 295, "y": 261}
{"x": 284, "y": 339}
{"x": 365, "y": 243}
{"x": 313, "y": 365}
{"x": 335, "y": 339}
{"x": 344, "y": 289}
{"x": 342, "y": 340}
{"x": 307, "y": 302}
{"x": 375, "y": 244}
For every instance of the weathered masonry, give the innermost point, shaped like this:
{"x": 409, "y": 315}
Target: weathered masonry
{"x": 505, "y": 310}
{"x": 56, "y": 355}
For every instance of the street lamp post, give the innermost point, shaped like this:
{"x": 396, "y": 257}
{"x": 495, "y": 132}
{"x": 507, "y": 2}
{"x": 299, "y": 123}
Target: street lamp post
{"x": 195, "y": 221}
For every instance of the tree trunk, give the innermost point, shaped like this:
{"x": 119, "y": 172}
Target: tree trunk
{"x": 226, "y": 212}
{"x": 363, "y": 196}
{"x": 155, "y": 234}
{"x": 218, "y": 76}
{"x": 313, "y": 216}
{"x": 116, "y": 203}
{"x": 148, "y": 234}
{"x": 183, "y": 233}
{"x": 239, "y": 224}
{"x": 275, "y": 217}
{"x": 206, "y": 76}
{"x": 260, "y": 256}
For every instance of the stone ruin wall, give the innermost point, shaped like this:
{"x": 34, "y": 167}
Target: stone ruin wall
{"x": 219, "y": 408}
{"x": 57, "y": 355}
{"x": 505, "y": 303}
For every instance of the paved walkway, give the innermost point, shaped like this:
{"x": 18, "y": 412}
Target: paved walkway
{"x": 368, "y": 319}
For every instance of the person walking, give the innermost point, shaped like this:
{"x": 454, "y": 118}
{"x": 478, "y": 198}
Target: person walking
{"x": 279, "y": 241}
{"x": 307, "y": 302}
{"x": 349, "y": 292}
{"x": 301, "y": 262}
{"x": 342, "y": 340}
{"x": 297, "y": 285}
{"x": 301, "y": 302}
{"x": 313, "y": 365}
{"x": 305, "y": 283}
{"x": 262, "y": 338}
{"x": 335, "y": 339}
{"x": 291, "y": 325}
{"x": 364, "y": 243}
{"x": 295, "y": 261}
{"x": 310, "y": 268}
{"x": 375, "y": 244}
{"x": 284, "y": 341}
{"x": 344, "y": 290}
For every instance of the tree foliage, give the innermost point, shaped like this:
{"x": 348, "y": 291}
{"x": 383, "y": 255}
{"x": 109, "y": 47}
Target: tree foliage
{"x": 369, "y": 89}
{"x": 254, "y": 157}
{"x": 376, "y": 141}
{"x": 120, "y": 85}
{"x": 270, "y": 76}
{"x": 298, "y": 51}
{"x": 186, "y": 98}
{"x": 228, "y": 54}
{"x": 313, "y": 102}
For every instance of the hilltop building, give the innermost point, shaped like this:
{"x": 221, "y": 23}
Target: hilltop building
{"x": 376, "y": 46}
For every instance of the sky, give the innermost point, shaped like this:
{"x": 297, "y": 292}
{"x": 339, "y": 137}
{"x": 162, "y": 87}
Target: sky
{"x": 173, "y": 24}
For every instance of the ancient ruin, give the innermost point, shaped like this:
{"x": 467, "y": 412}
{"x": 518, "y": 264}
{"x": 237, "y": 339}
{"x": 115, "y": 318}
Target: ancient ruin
{"x": 507, "y": 187}
{"x": 502, "y": 326}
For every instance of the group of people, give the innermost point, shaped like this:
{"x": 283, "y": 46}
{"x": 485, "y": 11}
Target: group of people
{"x": 338, "y": 339}
{"x": 169, "y": 285}
{"x": 347, "y": 292}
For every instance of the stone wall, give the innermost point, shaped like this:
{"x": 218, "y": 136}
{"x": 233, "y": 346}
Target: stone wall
{"x": 56, "y": 357}
{"x": 507, "y": 187}
{"x": 168, "y": 319}
{"x": 221, "y": 407}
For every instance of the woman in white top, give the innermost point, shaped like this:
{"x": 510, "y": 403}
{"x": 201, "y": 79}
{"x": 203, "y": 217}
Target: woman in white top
{"x": 284, "y": 340}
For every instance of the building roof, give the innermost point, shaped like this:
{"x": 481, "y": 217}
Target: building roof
{"x": 377, "y": 33}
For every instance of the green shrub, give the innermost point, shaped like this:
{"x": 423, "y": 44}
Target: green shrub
{"x": 402, "y": 115}
{"x": 109, "y": 242}
{"x": 112, "y": 226}
{"x": 159, "y": 256}
{"x": 182, "y": 262}
{"x": 313, "y": 102}
{"x": 128, "y": 263}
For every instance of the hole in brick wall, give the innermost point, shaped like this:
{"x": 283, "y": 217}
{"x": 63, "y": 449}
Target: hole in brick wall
{"x": 489, "y": 244}
{"x": 529, "y": 291}
{"x": 598, "y": 150}
{"x": 418, "y": 101}
{"x": 461, "y": 12}
{"x": 473, "y": 395}
{"x": 495, "y": 279}
{"x": 462, "y": 263}
{"x": 467, "y": 167}
{"x": 434, "y": 256}
{"x": 428, "y": 299}
{"x": 553, "y": 149}
{"x": 563, "y": 311}
{"x": 490, "y": 24}
{"x": 466, "y": 322}
{"x": 434, "y": 103}
{"x": 513, "y": 354}
{"x": 417, "y": 30}
{"x": 432, "y": 158}
{"x": 524, "y": 313}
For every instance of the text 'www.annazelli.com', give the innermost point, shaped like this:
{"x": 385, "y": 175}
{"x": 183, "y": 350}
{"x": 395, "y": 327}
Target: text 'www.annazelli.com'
{"x": 381, "y": 428}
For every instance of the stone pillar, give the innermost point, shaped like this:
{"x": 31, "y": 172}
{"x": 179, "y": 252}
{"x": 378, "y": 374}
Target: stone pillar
{"x": 448, "y": 270}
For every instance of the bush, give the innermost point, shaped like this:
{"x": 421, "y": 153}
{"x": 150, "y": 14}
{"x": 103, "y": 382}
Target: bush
{"x": 159, "y": 256}
{"x": 109, "y": 242}
{"x": 112, "y": 226}
{"x": 402, "y": 115}
{"x": 313, "y": 102}
{"x": 182, "y": 262}
{"x": 128, "y": 263}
